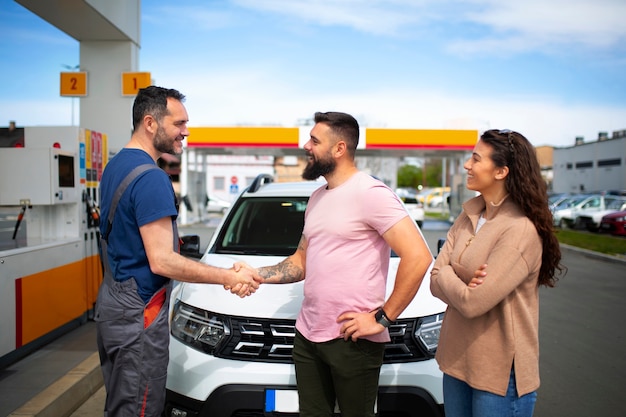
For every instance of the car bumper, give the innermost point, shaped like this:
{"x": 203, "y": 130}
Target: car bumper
{"x": 202, "y": 385}
{"x": 613, "y": 228}
{"x": 249, "y": 401}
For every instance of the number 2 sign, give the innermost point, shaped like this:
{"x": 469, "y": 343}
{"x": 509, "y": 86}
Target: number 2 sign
{"x": 73, "y": 84}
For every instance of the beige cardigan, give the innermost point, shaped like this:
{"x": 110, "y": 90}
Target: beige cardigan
{"x": 489, "y": 328}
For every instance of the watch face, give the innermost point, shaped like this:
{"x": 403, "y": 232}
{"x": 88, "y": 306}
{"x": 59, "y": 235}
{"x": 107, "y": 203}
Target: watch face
{"x": 381, "y": 318}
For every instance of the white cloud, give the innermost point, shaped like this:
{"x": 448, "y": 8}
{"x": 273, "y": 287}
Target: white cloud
{"x": 531, "y": 24}
{"x": 369, "y": 16}
{"x": 502, "y": 25}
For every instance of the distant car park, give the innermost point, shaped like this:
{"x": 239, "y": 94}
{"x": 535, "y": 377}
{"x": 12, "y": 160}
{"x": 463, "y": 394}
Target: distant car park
{"x": 590, "y": 218}
{"x": 217, "y": 205}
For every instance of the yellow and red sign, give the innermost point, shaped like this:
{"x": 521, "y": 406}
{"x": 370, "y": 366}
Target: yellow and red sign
{"x": 288, "y": 137}
{"x": 259, "y": 137}
{"x": 133, "y": 81}
{"x": 420, "y": 139}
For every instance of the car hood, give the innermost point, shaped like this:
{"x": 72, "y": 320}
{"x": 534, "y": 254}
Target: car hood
{"x": 282, "y": 300}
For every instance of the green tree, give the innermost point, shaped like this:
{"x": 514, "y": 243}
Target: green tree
{"x": 433, "y": 173}
{"x": 409, "y": 176}
{"x": 413, "y": 176}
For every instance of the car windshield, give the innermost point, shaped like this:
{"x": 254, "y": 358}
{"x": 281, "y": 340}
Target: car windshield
{"x": 571, "y": 202}
{"x": 616, "y": 205}
{"x": 269, "y": 226}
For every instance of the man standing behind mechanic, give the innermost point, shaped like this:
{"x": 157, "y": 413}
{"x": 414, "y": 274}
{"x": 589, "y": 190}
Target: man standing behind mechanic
{"x": 140, "y": 256}
{"x": 350, "y": 225}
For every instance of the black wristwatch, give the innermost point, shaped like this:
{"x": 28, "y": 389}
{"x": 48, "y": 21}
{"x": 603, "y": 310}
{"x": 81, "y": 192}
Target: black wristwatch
{"x": 382, "y": 318}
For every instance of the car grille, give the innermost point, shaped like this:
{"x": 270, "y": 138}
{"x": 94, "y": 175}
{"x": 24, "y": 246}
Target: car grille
{"x": 271, "y": 340}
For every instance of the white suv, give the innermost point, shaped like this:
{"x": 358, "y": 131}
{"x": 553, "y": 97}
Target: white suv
{"x": 232, "y": 357}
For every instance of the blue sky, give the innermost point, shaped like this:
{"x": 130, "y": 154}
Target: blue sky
{"x": 552, "y": 70}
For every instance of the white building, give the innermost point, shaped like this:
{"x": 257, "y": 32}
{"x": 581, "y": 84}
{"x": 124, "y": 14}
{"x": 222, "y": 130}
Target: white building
{"x": 593, "y": 166}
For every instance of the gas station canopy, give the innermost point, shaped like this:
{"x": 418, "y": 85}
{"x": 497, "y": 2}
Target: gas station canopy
{"x": 290, "y": 140}
{"x": 90, "y": 20}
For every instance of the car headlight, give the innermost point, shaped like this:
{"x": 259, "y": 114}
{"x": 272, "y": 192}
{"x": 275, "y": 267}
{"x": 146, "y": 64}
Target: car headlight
{"x": 428, "y": 331}
{"x": 198, "y": 328}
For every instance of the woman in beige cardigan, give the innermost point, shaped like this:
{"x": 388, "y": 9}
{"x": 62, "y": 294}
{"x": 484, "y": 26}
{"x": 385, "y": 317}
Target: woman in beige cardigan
{"x": 497, "y": 254}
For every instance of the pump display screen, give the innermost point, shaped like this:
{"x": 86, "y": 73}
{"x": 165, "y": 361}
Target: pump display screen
{"x": 66, "y": 171}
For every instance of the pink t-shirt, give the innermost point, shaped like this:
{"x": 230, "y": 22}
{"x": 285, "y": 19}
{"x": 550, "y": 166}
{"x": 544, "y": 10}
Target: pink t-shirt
{"x": 347, "y": 259}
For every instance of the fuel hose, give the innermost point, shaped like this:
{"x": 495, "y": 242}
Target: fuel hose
{"x": 19, "y": 221}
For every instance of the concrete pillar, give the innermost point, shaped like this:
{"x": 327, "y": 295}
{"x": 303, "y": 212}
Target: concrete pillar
{"x": 105, "y": 109}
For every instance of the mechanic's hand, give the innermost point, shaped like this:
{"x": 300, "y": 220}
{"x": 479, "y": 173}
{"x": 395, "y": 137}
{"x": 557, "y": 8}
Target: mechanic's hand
{"x": 357, "y": 325}
{"x": 479, "y": 276}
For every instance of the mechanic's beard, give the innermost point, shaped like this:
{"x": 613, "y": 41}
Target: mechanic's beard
{"x": 318, "y": 168}
{"x": 163, "y": 143}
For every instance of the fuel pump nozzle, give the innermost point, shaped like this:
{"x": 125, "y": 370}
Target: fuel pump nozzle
{"x": 93, "y": 212}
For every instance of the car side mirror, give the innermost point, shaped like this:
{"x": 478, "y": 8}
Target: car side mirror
{"x": 190, "y": 246}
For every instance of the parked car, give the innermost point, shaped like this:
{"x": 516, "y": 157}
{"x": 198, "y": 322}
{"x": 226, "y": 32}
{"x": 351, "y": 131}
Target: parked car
{"x": 415, "y": 209}
{"x": 590, "y": 218}
{"x": 406, "y": 192}
{"x": 438, "y": 201}
{"x": 232, "y": 356}
{"x": 217, "y": 205}
{"x": 421, "y": 196}
{"x": 557, "y": 198}
{"x": 436, "y": 192}
{"x": 564, "y": 214}
{"x": 614, "y": 223}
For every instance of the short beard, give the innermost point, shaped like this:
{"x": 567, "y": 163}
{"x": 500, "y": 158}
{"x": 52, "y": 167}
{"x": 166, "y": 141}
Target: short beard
{"x": 162, "y": 143}
{"x": 318, "y": 168}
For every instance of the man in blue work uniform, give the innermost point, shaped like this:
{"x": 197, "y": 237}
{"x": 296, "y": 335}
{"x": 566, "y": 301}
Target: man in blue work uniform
{"x": 140, "y": 257}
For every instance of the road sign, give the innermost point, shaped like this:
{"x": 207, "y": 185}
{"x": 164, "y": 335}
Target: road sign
{"x": 74, "y": 84}
{"x": 133, "y": 81}
{"x": 233, "y": 179}
{"x": 234, "y": 189}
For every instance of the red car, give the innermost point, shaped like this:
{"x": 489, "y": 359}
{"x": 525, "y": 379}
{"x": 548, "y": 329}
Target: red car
{"x": 614, "y": 223}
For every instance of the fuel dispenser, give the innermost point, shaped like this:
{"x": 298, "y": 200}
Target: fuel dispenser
{"x": 50, "y": 268}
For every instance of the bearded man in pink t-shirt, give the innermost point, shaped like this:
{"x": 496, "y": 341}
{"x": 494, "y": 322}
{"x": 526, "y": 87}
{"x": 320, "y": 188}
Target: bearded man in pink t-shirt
{"x": 351, "y": 224}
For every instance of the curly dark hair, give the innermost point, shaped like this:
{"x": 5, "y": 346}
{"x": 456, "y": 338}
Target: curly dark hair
{"x": 529, "y": 191}
{"x": 153, "y": 100}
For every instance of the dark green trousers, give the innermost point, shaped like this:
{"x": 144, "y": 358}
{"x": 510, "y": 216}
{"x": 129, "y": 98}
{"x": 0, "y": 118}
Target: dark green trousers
{"x": 343, "y": 371}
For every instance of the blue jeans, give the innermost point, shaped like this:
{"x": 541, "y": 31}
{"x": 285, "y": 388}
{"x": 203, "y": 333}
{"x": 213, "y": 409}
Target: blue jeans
{"x": 461, "y": 400}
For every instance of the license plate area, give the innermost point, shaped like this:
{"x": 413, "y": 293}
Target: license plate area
{"x": 281, "y": 401}
{"x": 286, "y": 401}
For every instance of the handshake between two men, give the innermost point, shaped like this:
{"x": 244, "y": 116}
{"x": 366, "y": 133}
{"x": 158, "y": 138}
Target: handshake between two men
{"x": 289, "y": 270}
{"x": 247, "y": 282}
